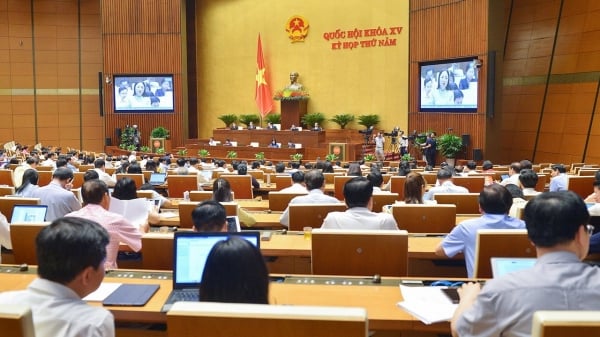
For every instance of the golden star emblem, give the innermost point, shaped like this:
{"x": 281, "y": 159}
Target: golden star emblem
{"x": 260, "y": 76}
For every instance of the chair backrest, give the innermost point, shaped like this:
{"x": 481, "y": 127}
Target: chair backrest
{"x": 187, "y": 207}
{"x": 200, "y": 195}
{"x": 144, "y": 194}
{"x": 257, "y": 174}
{"x": 430, "y": 178}
{"x": 338, "y": 186}
{"x": 7, "y": 204}
{"x": 473, "y": 184}
{"x": 264, "y": 320}
{"x": 44, "y": 168}
{"x": 110, "y": 170}
{"x": 397, "y": 186}
{"x": 83, "y": 168}
{"x": 147, "y": 174}
{"x": 22, "y": 237}
{"x": 588, "y": 172}
{"x": 494, "y": 242}
{"x": 310, "y": 215}
{"x": 278, "y": 201}
{"x": 176, "y": 185}
{"x": 44, "y": 178}
{"x": 78, "y": 179}
{"x": 560, "y": 323}
{"x": 7, "y": 190}
{"x": 282, "y": 181}
{"x": 359, "y": 252}
{"x": 381, "y": 199}
{"x": 157, "y": 251}
{"x": 466, "y": 203}
{"x": 6, "y": 177}
{"x": 16, "y": 321}
{"x": 582, "y": 185}
{"x": 241, "y": 185}
{"x": 329, "y": 177}
{"x": 541, "y": 183}
{"x": 138, "y": 178}
{"x": 425, "y": 218}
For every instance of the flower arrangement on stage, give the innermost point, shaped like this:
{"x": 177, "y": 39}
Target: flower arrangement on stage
{"x": 290, "y": 95}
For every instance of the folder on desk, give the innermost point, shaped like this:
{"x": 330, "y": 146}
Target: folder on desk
{"x": 135, "y": 295}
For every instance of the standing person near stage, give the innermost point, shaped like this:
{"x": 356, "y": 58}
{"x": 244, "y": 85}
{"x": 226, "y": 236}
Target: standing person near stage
{"x": 430, "y": 149}
{"x": 403, "y": 143}
{"x": 379, "y": 141}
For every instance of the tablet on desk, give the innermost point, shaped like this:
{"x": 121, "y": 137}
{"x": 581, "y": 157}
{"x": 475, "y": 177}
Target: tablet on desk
{"x": 134, "y": 295}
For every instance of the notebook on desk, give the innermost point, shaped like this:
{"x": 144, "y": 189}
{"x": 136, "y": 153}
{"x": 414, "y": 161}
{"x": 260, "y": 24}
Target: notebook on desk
{"x": 190, "y": 250}
{"x": 504, "y": 265}
{"x": 157, "y": 179}
{"x": 28, "y": 213}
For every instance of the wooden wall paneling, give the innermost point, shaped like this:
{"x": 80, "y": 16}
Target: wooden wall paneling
{"x": 444, "y": 29}
{"x": 143, "y": 37}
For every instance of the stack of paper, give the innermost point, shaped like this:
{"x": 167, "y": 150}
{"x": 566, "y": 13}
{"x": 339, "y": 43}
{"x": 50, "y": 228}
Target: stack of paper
{"x": 428, "y": 304}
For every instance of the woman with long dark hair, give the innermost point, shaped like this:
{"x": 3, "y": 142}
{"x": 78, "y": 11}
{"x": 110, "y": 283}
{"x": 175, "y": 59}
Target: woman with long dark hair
{"x": 235, "y": 272}
{"x": 29, "y": 184}
{"x": 222, "y": 193}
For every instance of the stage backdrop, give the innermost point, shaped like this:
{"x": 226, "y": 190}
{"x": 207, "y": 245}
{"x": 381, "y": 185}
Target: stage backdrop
{"x": 362, "y": 71}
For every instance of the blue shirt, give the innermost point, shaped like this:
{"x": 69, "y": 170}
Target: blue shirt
{"x": 464, "y": 236}
{"x": 559, "y": 183}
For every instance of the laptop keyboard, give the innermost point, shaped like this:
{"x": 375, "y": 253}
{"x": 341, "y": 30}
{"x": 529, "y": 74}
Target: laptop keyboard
{"x": 186, "y": 295}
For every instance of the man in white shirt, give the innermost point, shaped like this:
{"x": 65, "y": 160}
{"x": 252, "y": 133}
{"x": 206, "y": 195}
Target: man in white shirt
{"x": 358, "y": 193}
{"x": 513, "y": 174}
{"x": 315, "y": 184}
{"x": 528, "y": 179}
{"x": 446, "y": 185}
{"x": 100, "y": 167}
{"x": 298, "y": 184}
{"x": 70, "y": 254}
{"x": 30, "y": 163}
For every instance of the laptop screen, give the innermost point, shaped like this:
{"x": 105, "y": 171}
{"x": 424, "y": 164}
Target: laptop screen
{"x": 157, "y": 178}
{"x": 505, "y": 265}
{"x": 191, "y": 252}
{"x": 28, "y": 213}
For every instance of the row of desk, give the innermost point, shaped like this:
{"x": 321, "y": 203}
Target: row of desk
{"x": 378, "y": 299}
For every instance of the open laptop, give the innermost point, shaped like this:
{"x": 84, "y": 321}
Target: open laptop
{"x": 157, "y": 179}
{"x": 28, "y": 213}
{"x": 207, "y": 175}
{"x": 190, "y": 250}
{"x": 505, "y": 265}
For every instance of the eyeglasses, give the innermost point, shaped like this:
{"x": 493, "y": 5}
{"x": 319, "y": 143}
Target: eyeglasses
{"x": 590, "y": 229}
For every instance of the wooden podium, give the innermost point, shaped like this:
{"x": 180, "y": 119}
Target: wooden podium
{"x": 292, "y": 111}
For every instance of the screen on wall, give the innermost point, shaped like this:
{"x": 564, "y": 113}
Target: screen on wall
{"x": 143, "y": 93}
{"x": 449, "y": 85}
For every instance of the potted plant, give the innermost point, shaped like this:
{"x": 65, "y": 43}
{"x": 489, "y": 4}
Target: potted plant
{"x": 259, "y": 156}
{"x": 368, "y": 120}
{"x": 407, "y": 157}
{"x": 228, "y": 119}
{"x": 273, "y": 118}
{"x": 145, "y": 148}
{"x": 296, "y": 156}
{"x": 203, "y": 153}
{"x": 246, "y": 119}
{"x": 159, "y": 132}
{"x": 310, "y": 119}
{"x": 369, "y": 157}
{"x": 342, "y": 120}
{"x": 127, "y": 137}
{"x": 231, "y": 154}
{"x": 160, "y": 150}
{"x": 331, "y": 157}
{"x": 182, "y": 152}
{"x": 449, "y": 146}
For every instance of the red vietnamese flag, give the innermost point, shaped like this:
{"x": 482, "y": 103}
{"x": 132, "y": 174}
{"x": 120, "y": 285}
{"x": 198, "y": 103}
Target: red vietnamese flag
{"x": 263, "y": 97}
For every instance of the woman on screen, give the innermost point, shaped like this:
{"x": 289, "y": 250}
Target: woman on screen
{"x": 235, "y": 272}
{"x": 165, "y": 86}
{"x": 138, "y": 100}
{"x": 123, "y": 98}
{"x": 470, "y": 77}
{"x": 443, "y": 96}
